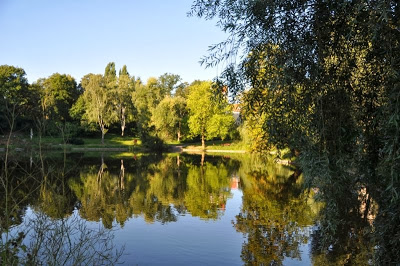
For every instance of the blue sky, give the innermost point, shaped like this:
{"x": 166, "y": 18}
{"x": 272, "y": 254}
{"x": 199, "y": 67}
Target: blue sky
{"x": 79, "y": 37}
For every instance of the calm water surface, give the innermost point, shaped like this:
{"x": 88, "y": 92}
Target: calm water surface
{"x": 171, "y": 209}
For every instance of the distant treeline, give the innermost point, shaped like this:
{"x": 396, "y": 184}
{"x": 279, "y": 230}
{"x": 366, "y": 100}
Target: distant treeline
{"x": 165, "y": 107}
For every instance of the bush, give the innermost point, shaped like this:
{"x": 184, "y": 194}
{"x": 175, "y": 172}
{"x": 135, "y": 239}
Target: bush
{"x": 153, "y": 143}
{"x": 76, "y": 141}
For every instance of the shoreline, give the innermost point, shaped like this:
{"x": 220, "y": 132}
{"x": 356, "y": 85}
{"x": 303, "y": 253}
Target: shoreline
{"x": 178, "y": 149}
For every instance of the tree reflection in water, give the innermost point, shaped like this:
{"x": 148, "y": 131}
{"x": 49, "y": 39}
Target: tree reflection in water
{"x": 277, "y": 217}
{"x": 38, "y": 221}
{"x": 157, "y": 188}
{"x": 276, "y": 214}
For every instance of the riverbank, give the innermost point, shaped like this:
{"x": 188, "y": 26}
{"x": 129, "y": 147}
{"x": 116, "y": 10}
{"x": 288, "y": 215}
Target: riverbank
{"x": 112, "y": 143}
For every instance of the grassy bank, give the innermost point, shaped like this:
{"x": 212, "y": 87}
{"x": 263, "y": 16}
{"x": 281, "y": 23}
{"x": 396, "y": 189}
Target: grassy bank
{"x": 112, "y": 142}
{"x": 19, "y": 141}
{"x": 215, "y": 145}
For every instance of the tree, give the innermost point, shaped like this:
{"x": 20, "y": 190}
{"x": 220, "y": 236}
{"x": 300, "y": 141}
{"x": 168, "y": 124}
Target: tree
{"x": 170, "y": 117}
{"x": 147, "y": 97}
{"x": 168, "y": 83}
{"x": 207, "y": 118}
{"x": 123, "y": 96}
{"x": 58, "y": 93}
{"x": 141, "y": 100}
{"x": 14, "y": 95}
{"x": 325, "y": 75}
{"x": 110, "y": 75}
{"x": 182, "y": 90}
{"x": 98, "y": 102}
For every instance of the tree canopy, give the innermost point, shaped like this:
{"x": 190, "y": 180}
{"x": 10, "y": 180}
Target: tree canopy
{"x": 323, "y": 78}
{"x": 98, "y": 106}
{"x": 208, "y": 118}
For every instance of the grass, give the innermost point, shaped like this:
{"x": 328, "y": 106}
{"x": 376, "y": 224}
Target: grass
{"x": 114, "y": 141}
{"x": 110, "y": 141}
{"x": 19, "y": 141}
{"x": 216, "y": 145}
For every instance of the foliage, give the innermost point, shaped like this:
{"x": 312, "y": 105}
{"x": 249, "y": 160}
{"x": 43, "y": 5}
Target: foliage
{"x": 123, "y": 96}
{"x": 16, "y": 100}
{"x": 152, "y": 143}
{"x": 170, "y": 118}
{"x": 207, "y": 118}
{"x": 323, "y": 75}
{"x": 98, "y": 105}
{"x": 59, "y": 92}
{"x": 140, "y": 99}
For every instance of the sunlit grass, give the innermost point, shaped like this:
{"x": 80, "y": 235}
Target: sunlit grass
{"x": 125, "y": 141}
{"x": 109, "y": 141}
{"x": 216, "y": 145}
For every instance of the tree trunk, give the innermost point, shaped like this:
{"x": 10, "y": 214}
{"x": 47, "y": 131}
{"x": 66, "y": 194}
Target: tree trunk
{"x": 179, "y": 131}
{"x": 102, "y": 135}
{"x": 203, "y": 144}
{"x": 123, "y": 121}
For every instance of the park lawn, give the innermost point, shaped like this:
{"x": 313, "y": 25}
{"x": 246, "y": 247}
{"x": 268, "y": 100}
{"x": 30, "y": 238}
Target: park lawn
{"x": 110, "y": 141}
{"x": 216, "y": 145}
{"x": 116, "y": 141}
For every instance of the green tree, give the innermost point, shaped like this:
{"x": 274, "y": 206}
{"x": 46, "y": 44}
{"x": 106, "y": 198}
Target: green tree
{"x": 141, "y": 99}
{"x": 59, "y": 93}
{"x": 110, "y": 75}
{"x": 326, "y": 78}
{"x": 182, "y": 90}
{"x": 168, "y": 83}
{"x": 98, "y": 102}
{"x": 207, "y": 117}
{"x": 14, "y": 95}
{"x": 123, "y": 98}
{"x": 170, "y": 117}
{"x": 147, "y": 97}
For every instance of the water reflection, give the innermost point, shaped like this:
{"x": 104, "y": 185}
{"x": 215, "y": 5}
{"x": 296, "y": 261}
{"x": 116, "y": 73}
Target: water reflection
{"x": 344, "y": 235}
{"x": 279, "y": 220}
{"x": 38, "y": 222}
{"x": 158, "y": 189}
{"x": 276, "y": 214}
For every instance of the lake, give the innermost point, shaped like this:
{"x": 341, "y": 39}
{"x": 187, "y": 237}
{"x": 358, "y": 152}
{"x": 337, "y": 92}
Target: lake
{"x": 171, "y": 209}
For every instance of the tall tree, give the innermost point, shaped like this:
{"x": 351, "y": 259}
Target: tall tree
{"x": 123, "y": 71}
{"x": 207, "y": 118}
{"x": 14, "y": 95}
{"x": 110, "y": 74}
{"x": 60, "y": 91}
{"x": 141, "y": 99}
{"x": 326, "y": 76}
{"x": 98, "y": 102}
{"x": 168, "y": 83}
{"x": 123, "y": 96}
{"x": 182, "y": 90}
{"x": 170, "y": 117}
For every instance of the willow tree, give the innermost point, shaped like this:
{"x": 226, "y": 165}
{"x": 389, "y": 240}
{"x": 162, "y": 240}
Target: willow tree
{"x": 329, "y": 89}
{"x": 98, "y": 102}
